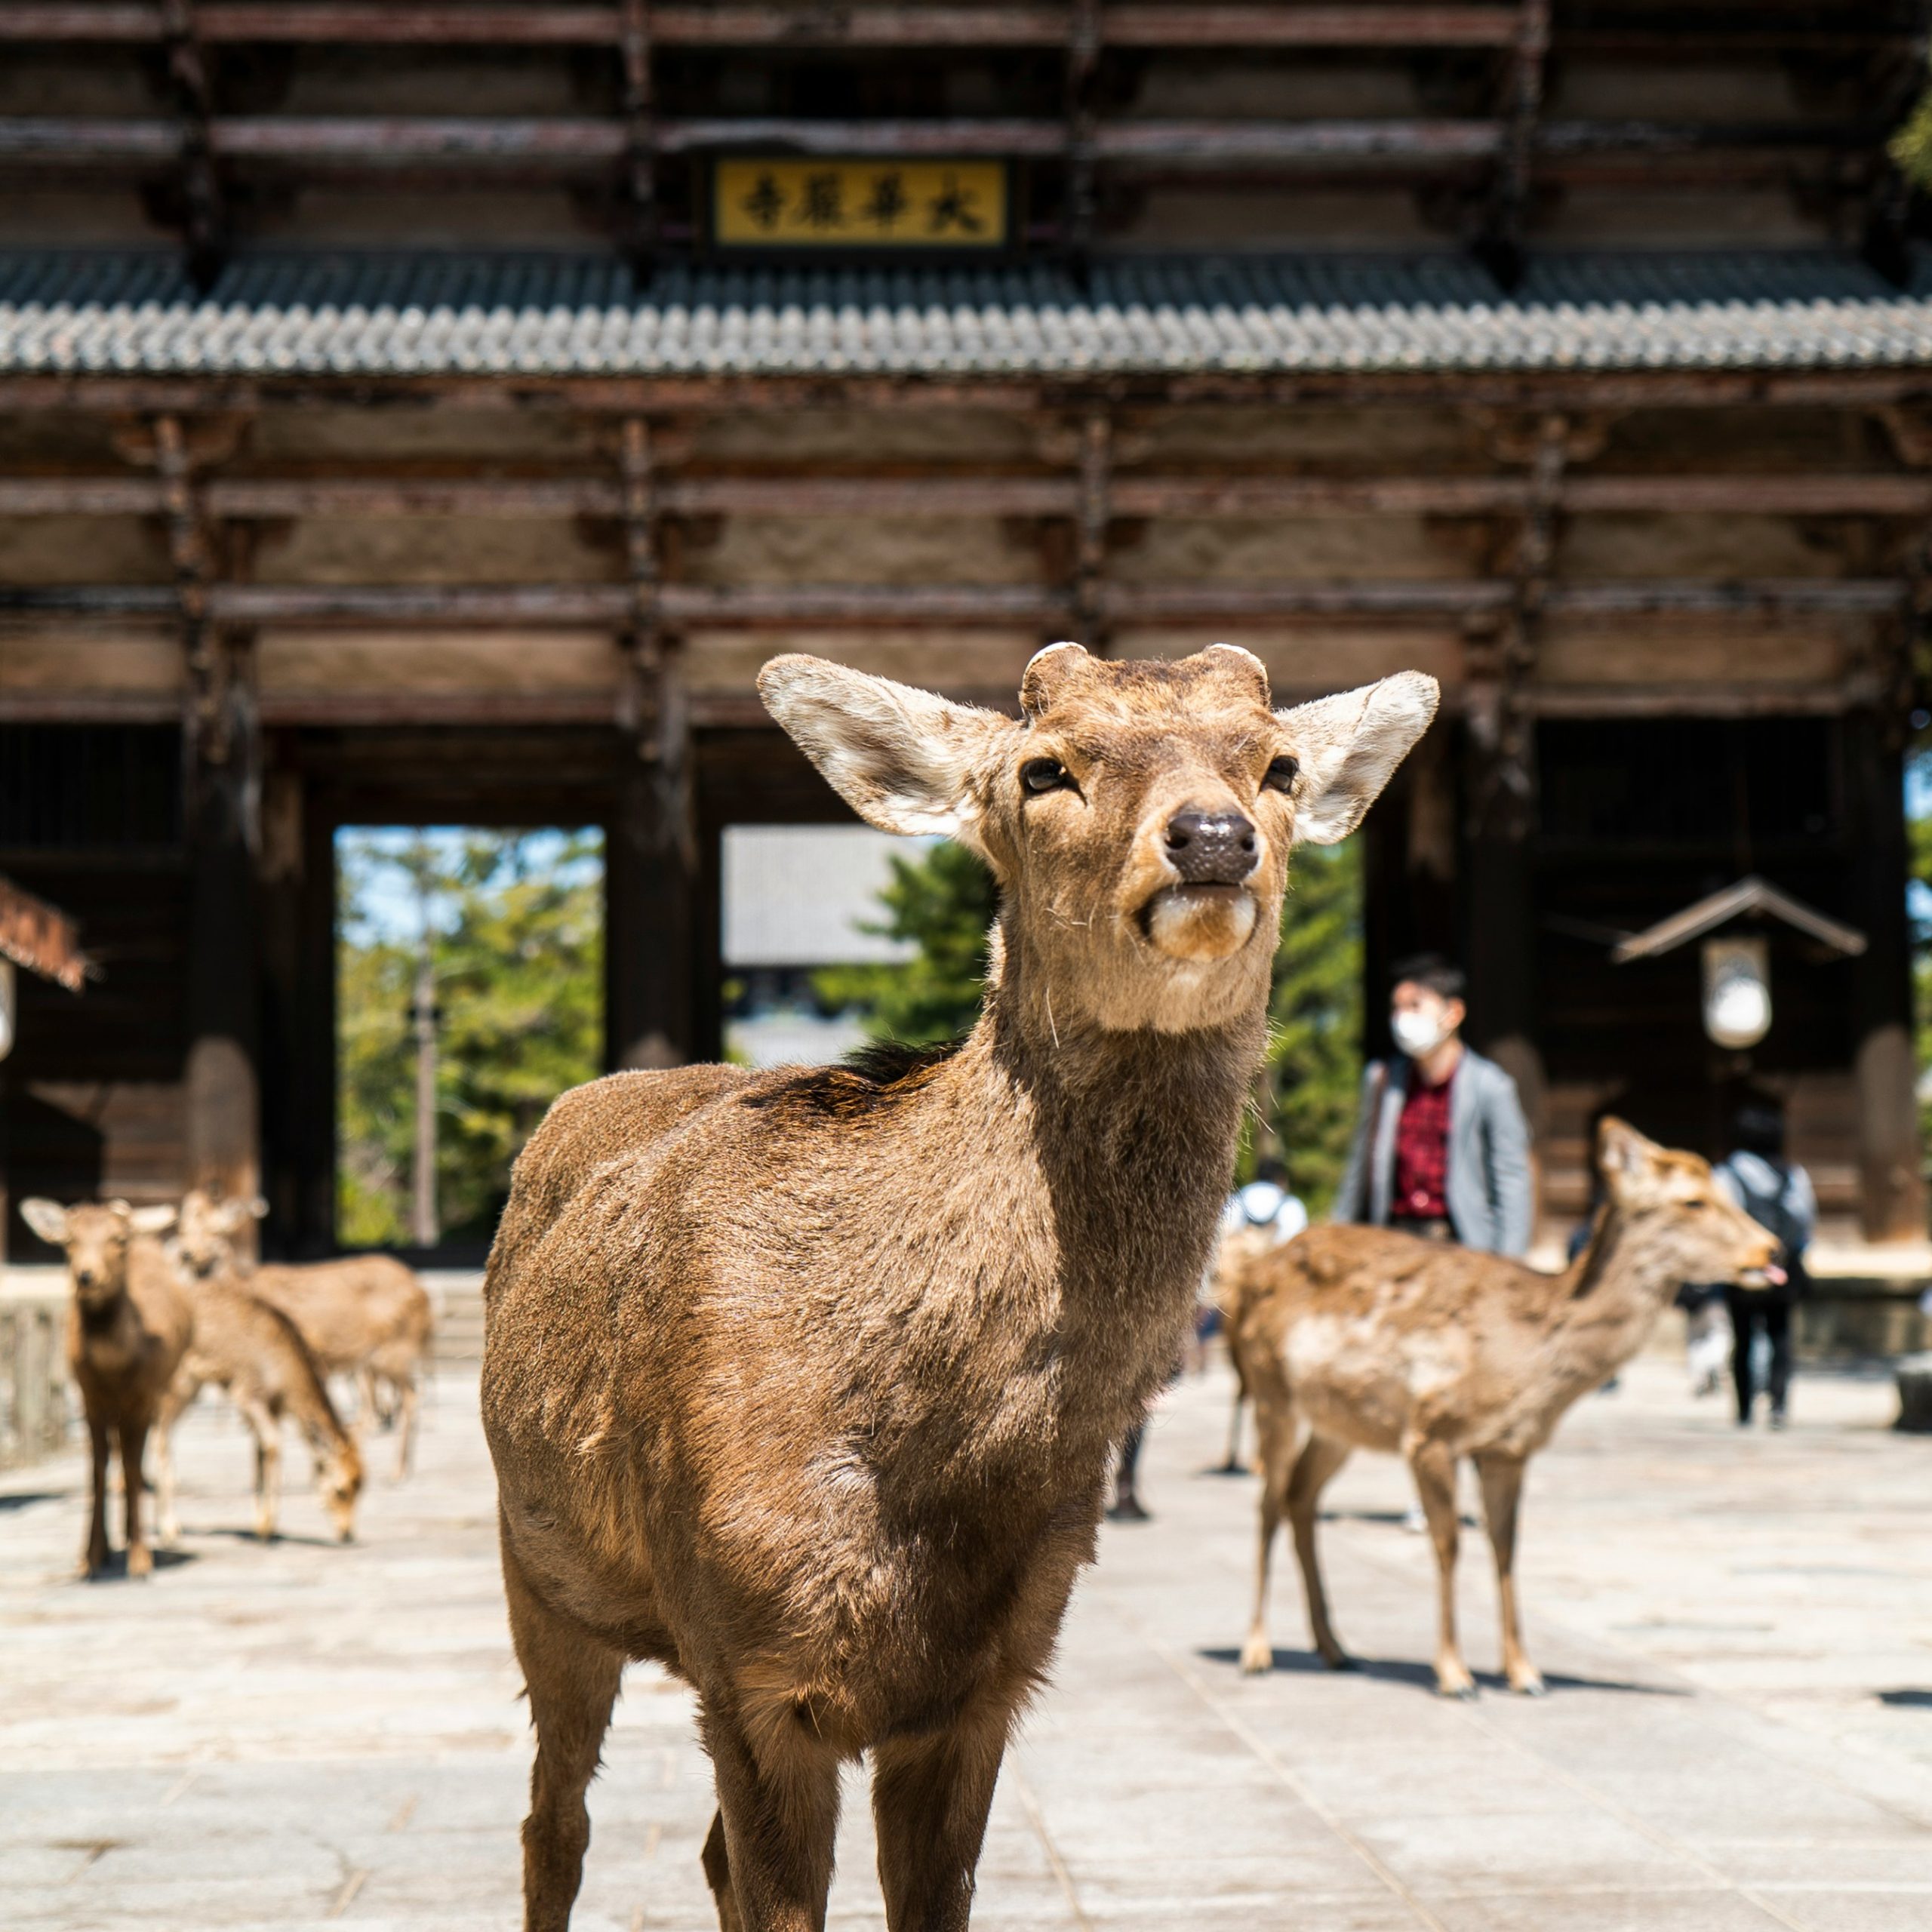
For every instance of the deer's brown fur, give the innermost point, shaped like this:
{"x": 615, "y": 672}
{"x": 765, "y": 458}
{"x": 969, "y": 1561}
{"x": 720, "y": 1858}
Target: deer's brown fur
{"x": 804, "y": 1383}
{"x": 128, "y": 1325}
{"x": 368, "y": 1315}
{"x": 1372, "y": 1339}
{"x": 255, "y": 1354}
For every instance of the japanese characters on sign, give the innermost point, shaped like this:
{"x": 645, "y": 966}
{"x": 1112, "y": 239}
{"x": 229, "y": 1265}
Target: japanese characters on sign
{"x": 782, "y": 202}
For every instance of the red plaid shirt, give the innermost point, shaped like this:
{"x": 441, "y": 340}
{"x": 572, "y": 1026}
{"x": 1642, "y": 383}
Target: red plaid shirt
{"x": 1422, "y": 1153}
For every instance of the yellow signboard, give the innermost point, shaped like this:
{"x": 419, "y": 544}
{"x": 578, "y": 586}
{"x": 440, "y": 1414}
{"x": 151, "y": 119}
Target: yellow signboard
{"x": 786, "y": 203}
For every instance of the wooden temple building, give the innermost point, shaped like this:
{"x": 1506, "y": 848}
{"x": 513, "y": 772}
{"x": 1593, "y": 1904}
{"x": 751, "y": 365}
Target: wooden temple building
{"x": 434, "y": 412}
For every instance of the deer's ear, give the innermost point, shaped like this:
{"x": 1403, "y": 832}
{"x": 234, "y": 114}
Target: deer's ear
{"x": 1624, "y": 1157}
{"x": 155, "y": 1220}
{"x": 47, "y": 1218}
{"x": 902, "y": 759}
{"x": 233, "y": 1216}
{"x": 1348, "y": 746}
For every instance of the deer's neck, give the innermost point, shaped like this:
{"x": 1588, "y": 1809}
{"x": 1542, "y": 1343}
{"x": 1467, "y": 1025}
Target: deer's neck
{"x": 1132, "y": 1137}
{"x": 1612, "y": 1294}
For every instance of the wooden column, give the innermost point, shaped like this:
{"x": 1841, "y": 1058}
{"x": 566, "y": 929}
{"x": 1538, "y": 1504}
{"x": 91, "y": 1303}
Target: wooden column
{"x": 650, "y": 851}
{"x": 1891, "y": 1193}
{"x": 221, "y": 1076}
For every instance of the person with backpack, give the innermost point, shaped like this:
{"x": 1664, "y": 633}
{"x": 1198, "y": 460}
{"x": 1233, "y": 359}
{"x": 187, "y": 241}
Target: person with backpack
{"x": 1777, "y": 1194}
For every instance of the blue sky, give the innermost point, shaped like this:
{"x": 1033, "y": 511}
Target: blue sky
{"x": 385, "y": 907}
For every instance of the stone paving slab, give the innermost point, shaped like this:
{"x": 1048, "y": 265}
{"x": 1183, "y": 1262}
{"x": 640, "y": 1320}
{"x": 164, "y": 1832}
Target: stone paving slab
{"x": 1737, "y": 1628}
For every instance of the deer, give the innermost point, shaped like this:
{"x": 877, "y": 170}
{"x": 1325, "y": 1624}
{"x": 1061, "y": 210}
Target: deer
{"x": 249, "y": 1349}
{"x": 1377, "y": 1339}
{"x": 366, "y": 1315}
{"x": 128, "y": 1326}
{"x": 804, "y": 1384}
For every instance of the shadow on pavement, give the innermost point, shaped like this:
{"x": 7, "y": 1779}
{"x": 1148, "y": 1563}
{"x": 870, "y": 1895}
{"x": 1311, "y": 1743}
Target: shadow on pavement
{"x": 1421, "y": 1677}
{"x": 1907, "y": 1700}
{"x": 25, "y": 1499}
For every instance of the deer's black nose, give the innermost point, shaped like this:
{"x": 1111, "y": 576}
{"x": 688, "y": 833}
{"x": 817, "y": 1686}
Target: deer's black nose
{"x": 1211, "y": 848}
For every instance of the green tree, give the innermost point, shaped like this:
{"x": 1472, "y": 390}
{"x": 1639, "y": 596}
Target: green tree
{"x": 943, "y": 901}
{"x": 1313, "y": 1069}
{"x": 516, "y": 946}
{"x": 1911, "y": 147}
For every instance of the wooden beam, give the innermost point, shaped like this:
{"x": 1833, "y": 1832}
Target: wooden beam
{"x": 399, "y": 23}
{"x": 995, "y": 605}
{"x": 255, "y": 498}
{"x": 381, "y": 142}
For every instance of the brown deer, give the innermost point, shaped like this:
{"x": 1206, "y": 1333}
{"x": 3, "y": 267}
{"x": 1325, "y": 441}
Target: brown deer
{"x": 805, "y": 1384}
{"x": 255, "y": 1354}
{"x": 367, "y": 1316}
{"x": 127, "y": 1328}
{"x": 1379, "y": 1340}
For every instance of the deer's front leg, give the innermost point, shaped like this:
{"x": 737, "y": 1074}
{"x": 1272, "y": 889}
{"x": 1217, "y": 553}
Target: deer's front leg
{"x": 1435, "y": 1469}
{"x": 930, "y": 1796}
{"x": 134, "y": 1444}
{"x": 94, "y": 1552}
{"x": 1502, "y": 1491}
{"x": 778, "y": 1798}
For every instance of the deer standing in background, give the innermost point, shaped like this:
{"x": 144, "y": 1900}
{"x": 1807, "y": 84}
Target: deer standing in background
{"x": 127, "y": 1327}
{"x": 256, "y": 1356}
{"x": 366, "y": 1315}
{"x": 1379, "y": 1340}
{"x": 805, "y": 1384}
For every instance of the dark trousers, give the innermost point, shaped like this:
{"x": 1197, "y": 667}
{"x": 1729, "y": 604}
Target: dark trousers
{"x": 1751, "y": 1310}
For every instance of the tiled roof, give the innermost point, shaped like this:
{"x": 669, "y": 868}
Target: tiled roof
{"x": 536, "y": 314}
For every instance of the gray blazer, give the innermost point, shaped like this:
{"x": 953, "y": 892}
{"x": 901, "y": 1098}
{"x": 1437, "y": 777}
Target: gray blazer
{"x": 1489, "y": 1189}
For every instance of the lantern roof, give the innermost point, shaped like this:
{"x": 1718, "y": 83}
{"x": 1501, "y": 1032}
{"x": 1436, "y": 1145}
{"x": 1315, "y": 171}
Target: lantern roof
{"x": 1750, "y": 897}
{"x": 34, "y": 935}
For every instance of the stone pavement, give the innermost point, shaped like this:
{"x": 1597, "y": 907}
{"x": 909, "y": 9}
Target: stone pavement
{"x": 1738, "y": 1630}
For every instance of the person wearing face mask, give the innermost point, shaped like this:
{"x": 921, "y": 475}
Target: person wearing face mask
{"x": 1440, "y": 1147}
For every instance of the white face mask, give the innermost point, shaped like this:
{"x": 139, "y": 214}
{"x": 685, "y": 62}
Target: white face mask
{"x": 1417, "y": 1032}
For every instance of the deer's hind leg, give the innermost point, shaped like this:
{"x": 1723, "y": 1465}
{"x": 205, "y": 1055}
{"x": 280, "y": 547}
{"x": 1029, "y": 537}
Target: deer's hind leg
{"x": 266, "y": 1430}
{"x": 1275, "y": 1436}
{"x": 1316, "y": 1467}
{"x": 1435, "y": 1470}
{"x": 572, "y": 1682}
{"x": 1502, "y": 1491}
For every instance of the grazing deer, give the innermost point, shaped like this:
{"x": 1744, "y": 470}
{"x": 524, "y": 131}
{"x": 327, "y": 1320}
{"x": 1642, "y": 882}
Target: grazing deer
{"x": 367, "y": 1316}
{"x": 255, "y": 1354}
{"x": 1379, "y": 1340}
{"x": 127, "y": 1328}
{"x": 805, "y": 1384}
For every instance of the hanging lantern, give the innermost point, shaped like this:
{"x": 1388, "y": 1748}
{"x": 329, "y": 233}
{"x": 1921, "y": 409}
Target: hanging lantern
{"x": 1737, "y": 991}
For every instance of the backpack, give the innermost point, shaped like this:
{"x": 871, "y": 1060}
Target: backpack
{"x": 1772, "y": 1211}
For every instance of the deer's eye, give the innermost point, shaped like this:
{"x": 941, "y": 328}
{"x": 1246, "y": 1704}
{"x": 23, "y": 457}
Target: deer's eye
{"x": 1045, "y": 774}
{"x": 1281, "y": 773}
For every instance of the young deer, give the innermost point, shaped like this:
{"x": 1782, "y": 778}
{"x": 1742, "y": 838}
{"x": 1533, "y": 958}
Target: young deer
{"x": 256, "y": 1354}
{"x": 805, "y": 1383}
{"x": 1378, "y": 1340}
{"x": 127, "y": 1329}
{"x": 367, "y": 1316}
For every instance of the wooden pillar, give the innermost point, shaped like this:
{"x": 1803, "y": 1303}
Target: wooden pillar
{"x": 650, "y": 1018}
{"x": 221, "y": 1076}
{"x": 1891, "y": 1192}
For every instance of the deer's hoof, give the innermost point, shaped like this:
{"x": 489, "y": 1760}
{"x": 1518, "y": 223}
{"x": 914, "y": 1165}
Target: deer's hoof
{"x": 1340, "y": 1660}
{"x": 141, "y": 1561}
{"x": 1529, "y": 1684}
{"x": 1257, "y": 1657}
{"x": 1456, "y": 1684}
